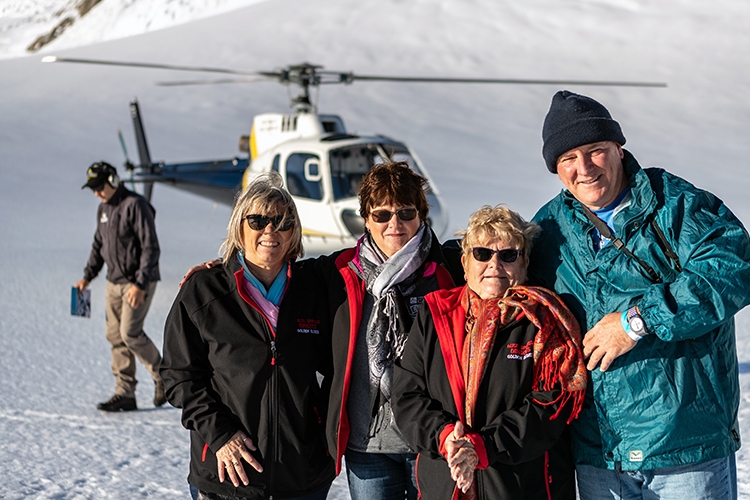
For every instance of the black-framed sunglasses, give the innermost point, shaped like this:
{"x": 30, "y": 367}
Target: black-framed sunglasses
{"x": 507, "y": 255}
{"x": 259, "y": 222}
{"x": 405, "y": 214}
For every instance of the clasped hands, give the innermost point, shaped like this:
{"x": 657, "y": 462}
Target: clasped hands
{"x": 229, "y": 458}
{"x": 461, "y": 456}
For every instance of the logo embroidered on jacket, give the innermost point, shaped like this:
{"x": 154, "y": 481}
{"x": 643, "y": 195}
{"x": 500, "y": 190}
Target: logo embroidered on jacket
{"x": 636, "y": 456}
{"x": 104, "y": 219}
{"x": 414, "y": 303}
{"x": 521, "y": 352}
{"x": 306, "y": 325}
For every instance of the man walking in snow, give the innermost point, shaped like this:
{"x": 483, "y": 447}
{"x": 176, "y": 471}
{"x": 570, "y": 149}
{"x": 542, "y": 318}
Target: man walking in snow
{"x": 655, "y": 270}
{"x": 126, "y": 241}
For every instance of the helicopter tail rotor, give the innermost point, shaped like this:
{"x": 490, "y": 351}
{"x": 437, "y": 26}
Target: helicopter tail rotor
{"x": 128, "y": 164}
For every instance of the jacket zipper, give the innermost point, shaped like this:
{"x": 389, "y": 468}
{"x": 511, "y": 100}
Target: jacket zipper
{"x": 274, "y": 412}
{"x": 547, "y": 476}
{"x": 274, "y": 396}
{"x": 479, "y": 480}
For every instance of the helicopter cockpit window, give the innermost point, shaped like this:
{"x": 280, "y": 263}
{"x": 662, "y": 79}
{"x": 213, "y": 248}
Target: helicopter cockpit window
{"x": 397, "y": 153}
{"x": 303, "y": 176}
{"x": 350, "y": 164}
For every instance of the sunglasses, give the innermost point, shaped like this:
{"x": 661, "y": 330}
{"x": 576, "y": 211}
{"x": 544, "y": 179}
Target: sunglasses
{"x": 259, "y": 222}
{"x": 508, "y": 255}
{"x": 405, "y": 214}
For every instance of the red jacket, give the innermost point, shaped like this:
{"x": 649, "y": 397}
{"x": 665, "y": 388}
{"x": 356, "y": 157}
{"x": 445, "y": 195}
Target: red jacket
{"x": 347, "y": 292}
{"x": 521, "y": 451}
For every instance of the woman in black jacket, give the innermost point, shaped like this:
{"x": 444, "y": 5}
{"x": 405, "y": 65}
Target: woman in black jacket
{"x": 243, "y": 344}
{"x": 490, "y": 375}
{"x": 375, "y": 290}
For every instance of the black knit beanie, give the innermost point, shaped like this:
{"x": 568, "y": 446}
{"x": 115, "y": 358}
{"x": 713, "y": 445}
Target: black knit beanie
{"x": 572, "y": 121}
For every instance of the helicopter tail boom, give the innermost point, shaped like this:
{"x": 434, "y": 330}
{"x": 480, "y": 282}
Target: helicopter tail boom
{"x": 218, "y": 180}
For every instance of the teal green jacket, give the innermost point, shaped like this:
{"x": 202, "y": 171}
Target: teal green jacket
{"x": 673, "y": 399}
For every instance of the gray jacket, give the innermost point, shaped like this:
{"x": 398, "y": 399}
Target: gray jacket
{"x": 125, "y": 240}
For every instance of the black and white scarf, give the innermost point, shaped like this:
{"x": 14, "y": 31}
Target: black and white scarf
{"x": 388, "y": 280}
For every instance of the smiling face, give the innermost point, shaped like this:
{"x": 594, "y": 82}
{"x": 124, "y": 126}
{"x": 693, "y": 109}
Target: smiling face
{"x": 391, "y": 236}
{"x": 593, "y": 173}
{"x": 265, "y": 251}
{"x": 492, "y": 278}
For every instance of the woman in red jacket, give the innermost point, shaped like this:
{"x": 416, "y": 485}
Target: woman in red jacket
{"x": 375, "y": 290}
{"x": 491, "y": 374}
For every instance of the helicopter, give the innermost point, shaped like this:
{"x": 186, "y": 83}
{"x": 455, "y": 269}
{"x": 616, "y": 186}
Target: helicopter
{"x": 322, "y": 164}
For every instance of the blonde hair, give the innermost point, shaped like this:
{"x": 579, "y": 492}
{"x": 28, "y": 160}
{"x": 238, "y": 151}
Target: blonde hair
{"x": 498, "y": 223}
{"x": 265, "y": 194}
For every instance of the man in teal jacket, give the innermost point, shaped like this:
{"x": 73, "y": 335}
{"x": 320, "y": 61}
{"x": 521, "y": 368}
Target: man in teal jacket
{"x": 655, "y": 270}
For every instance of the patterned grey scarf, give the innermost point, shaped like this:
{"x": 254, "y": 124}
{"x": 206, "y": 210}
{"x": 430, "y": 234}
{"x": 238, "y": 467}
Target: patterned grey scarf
{"x": 387, "y": 280}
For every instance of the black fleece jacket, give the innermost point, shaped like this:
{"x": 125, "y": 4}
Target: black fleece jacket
{"x": 228, "y": 371}
{"x": 528, "y": 454}
{"x": 125, "y": 240}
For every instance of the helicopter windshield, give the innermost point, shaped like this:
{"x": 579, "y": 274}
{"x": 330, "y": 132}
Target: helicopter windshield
{"x": 350, "y": 164}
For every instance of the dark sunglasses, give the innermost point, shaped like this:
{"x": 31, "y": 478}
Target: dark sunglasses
{"x": 508, "y": 255}
{"x": 259, "y": 222}
{"x": 405, "y": 214}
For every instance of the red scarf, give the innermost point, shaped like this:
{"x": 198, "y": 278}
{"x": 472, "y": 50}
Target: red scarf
{"x": 558, "y": 357}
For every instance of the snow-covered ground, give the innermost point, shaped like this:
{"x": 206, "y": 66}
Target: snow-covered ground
{"x": 481, "y": 144}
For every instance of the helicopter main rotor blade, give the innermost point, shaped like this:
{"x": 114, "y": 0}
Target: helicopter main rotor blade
{"x": 306, "y": 74}
{"x": 210, "y": 82}
{"x": 349, "y": 77}
{"x": 104, "y": 62}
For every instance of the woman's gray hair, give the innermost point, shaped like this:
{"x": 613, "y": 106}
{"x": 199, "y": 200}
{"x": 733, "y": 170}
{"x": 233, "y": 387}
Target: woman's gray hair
{"x": 498, "y": 223}
{"x": 264, "y": 195}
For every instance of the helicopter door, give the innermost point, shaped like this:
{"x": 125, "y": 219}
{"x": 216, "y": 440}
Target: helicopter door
{"x": 304, "y": 180}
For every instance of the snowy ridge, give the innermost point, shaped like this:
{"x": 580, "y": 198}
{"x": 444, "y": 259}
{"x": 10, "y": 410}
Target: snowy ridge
{"x": 83, "y": 22}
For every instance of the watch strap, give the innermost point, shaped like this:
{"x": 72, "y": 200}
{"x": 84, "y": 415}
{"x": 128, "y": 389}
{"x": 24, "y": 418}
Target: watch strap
{"x": 625, "y": 318}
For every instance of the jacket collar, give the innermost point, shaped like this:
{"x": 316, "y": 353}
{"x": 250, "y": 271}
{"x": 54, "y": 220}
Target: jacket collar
{"x": 232, "y": 267}
{"x": 435, "y": 254}
{"x": 118, "y": 195}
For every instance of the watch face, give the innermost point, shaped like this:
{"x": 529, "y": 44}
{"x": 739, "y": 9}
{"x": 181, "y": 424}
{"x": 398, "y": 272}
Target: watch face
{"x": 636, "y": 324}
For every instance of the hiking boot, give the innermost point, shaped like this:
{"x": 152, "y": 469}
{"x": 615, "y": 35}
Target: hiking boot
{"x": 118, "y": 402}
{"x": 159, "y": 397}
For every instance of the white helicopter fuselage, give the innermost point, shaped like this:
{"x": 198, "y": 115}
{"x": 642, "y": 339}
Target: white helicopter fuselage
{"x": 322, "y": 167}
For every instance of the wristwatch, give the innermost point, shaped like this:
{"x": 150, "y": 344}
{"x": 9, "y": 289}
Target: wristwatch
{"x": 636, "y": 324}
